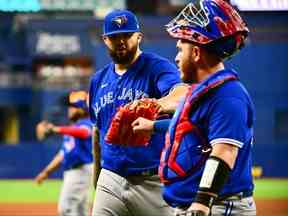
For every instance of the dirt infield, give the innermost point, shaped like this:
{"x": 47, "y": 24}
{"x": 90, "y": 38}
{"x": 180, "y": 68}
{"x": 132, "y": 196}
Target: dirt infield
{"x": 20, "y": 209}
{"x": 275, "y": 207}
{"x": 264, "y": 207}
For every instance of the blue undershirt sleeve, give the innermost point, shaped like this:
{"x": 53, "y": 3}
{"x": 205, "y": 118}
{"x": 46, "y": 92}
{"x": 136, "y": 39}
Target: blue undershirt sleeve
{"x": 161, "y": 125}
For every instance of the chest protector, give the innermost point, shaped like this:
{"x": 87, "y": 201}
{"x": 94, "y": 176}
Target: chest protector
{"x": 186, "y": 148}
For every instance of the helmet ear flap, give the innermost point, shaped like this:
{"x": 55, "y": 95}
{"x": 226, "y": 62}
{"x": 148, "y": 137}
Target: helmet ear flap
{"x": 227, "y": 46}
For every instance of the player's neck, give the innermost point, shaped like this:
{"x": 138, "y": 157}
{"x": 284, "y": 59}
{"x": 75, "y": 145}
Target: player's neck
{"x": 122, "y": 68}
{"x": 204, "y": 73}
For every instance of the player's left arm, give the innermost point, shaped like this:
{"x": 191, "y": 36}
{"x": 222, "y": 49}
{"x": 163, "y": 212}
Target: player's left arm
{"x": 51, "y": 167}
{"x": 220, "y": 163}
{"x": 228, "y": 122}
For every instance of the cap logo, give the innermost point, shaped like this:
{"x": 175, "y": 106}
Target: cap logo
{"x": 120, "y": 20}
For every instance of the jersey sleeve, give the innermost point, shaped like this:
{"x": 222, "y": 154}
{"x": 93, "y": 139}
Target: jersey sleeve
{"x": 227, "y": 120}
{"x": 167, "y": 76}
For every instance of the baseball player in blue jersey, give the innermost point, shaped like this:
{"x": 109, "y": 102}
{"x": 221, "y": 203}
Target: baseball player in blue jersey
{"x": 75, "y": 156}
{"x": 206, "y": 163}
{"x": 128, "y": 183}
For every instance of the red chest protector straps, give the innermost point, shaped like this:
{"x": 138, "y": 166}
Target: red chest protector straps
{"x": 182, "y": 157}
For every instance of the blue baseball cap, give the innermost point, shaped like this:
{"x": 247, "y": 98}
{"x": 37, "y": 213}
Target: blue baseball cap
{"x": 120, "y": 21}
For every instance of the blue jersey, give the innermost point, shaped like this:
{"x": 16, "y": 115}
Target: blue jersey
{"x": 225, "y": 115}
{"x": 77, "y": 151}
{"x": 149, "y": 76}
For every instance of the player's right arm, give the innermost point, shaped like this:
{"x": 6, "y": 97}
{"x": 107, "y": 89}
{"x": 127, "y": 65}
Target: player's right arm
{"x": 51, "y": 167}
{"x": 94, "y": 84}
{"x": 96, "y": 155}
{"x": 169, "y": 85}
{"x": 143, "y": 125}
{"x": 170, "y": 102}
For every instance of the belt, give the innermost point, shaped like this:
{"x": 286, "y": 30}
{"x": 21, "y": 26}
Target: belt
{"x": 149, "y": 172}
{"x": 236, "y": 196}
{"x": 221, "y": 199}
{"x": 76, "y": 166}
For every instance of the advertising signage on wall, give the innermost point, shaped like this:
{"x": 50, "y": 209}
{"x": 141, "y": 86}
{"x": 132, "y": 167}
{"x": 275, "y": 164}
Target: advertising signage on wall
{"x": 59, "y": 38}
{"x": 60, "y": 5}
{"x": 261, "y": 5}
{"x": 80, "y": 4}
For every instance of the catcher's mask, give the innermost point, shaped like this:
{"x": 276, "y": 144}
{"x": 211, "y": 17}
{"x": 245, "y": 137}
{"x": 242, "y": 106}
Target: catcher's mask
{"x": 214, "y": 24}
{"x": 78, "y": 99}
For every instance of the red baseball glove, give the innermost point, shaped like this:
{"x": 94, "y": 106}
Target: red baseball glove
{"x": 120, "y": 131}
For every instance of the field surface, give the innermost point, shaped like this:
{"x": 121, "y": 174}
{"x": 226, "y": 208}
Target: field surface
{"x": 25, "y": 198}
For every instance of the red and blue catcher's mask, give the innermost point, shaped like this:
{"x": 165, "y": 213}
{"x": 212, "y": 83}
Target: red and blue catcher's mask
{"x": 78, "y": 99}
{"x": 213, "y": 24}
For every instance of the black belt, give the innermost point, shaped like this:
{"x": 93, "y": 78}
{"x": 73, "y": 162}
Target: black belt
{"x": 149, "y": 172}
{"x": 236, "y": 196}
{"x": 228, "y": 197}
{"x": 76, "y": 166}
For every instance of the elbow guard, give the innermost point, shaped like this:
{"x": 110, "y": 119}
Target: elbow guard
{"x": 215, "y": 174}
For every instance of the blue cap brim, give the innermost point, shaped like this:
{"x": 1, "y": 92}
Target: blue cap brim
{"x": 120, "y": 31}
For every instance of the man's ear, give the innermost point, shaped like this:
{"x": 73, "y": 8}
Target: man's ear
{"x": 105, "y": 39}
{"x": 139, "y": 37}
{"x": 196, "y": 53}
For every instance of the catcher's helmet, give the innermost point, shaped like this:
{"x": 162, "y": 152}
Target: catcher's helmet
{"x": 214, "y": 24}
{"x": 78, "y": 99}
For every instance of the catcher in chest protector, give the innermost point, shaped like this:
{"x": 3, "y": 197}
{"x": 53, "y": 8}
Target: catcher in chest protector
{"x": 75, "y": 156}
{"x": 127, "y": 164}
{"x": 206, "y": 162}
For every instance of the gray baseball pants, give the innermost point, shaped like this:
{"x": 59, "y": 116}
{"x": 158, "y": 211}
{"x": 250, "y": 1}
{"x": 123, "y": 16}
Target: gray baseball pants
{"x": 241, "y": 207}
{"x": 131, "y": 196}
{"x": 73, "y": 200}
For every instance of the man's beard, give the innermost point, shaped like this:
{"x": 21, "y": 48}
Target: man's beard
{"x": 189, "y": 73}
{"x": 123, "y": 59}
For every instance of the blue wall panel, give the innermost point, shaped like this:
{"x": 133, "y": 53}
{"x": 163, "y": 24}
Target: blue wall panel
{"x": 26, "y": 160}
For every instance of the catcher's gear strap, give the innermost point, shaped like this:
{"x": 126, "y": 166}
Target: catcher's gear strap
{"x": 215, "y": 174}
{"x": 79, "y": 132}
{"x": 161, "y": 125}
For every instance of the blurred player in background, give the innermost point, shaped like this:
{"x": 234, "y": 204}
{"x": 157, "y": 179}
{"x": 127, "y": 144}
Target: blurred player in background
{"x": 128, "y": 183}
{"x": 206, "y": 162}
{"x": 75, "y": 156}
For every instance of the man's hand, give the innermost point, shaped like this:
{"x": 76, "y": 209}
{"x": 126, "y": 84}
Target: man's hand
{"x": 190, "y": 212}
{"x": 41, "y": 177}
{"x": 143, "y": 125}
{"x": 196, "y": 209}
{"x": 43, "y": 130}
{"x": 199, "y": 207}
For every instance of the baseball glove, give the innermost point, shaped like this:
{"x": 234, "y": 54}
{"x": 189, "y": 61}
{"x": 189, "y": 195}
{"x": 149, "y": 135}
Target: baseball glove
{"x": 43, "y": 130}
{"x": 120, "y": 131}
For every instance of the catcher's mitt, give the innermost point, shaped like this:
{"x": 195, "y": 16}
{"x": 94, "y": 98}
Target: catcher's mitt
{"x": 120, "y": 130}
{"x": 43, "y": 130}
